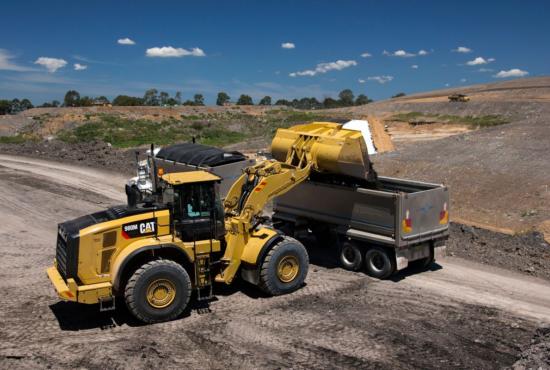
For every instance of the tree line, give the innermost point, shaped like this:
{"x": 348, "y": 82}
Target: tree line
{"x": 153, "y": 97}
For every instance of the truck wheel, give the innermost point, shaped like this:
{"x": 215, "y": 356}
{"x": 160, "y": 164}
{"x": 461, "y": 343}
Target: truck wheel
{"x": 350, "y": 256}
{"x": 284, "y": 268}
{"x": 158, "y": 291}
{"x": 379, "y": 263}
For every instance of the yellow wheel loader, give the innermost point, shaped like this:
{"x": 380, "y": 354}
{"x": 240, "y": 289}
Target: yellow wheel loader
{"x": 156, "y": 254}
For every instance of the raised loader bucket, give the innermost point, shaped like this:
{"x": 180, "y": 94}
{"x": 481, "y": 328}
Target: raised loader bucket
{"x": 329, "y": 147}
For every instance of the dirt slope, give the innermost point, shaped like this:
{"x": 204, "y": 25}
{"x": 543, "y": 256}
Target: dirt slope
{"x": 458, "y": 315}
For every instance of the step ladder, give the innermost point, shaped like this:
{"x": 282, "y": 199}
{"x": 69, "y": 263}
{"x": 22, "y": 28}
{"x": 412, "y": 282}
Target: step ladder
{"x": 203, "y": 277}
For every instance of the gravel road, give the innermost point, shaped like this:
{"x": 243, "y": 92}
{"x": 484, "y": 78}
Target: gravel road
{"x": 457, "y": 315}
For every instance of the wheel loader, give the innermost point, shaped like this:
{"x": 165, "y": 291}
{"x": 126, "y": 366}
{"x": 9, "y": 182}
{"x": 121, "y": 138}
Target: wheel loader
{"x": 182, "y": 240}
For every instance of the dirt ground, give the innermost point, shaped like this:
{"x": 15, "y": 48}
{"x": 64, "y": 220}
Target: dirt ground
{"x": 458, "y": 314}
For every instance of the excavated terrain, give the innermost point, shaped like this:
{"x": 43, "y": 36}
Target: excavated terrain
{"x": 458, "y": 314}
{"x": 485, "y": 306}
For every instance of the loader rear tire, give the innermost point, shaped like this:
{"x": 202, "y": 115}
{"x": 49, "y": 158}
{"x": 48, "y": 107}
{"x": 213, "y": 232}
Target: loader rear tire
{"x": 379, "y": 263}
{"x": 284, "y": 268}
{"x": 158, "y": 291}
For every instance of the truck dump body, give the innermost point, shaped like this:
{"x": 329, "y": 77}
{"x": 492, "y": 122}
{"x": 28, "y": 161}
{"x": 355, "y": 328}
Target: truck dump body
{"x": 191, "y": 157}
{"x": 400, "y": 212}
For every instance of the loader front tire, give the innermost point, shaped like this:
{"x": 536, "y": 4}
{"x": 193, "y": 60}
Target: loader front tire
{"x": 284, "y": 268}
{"x": 158, "y": 291}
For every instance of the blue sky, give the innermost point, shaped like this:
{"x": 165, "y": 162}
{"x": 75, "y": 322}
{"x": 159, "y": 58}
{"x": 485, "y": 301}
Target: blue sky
{"x": 236, "y": 46}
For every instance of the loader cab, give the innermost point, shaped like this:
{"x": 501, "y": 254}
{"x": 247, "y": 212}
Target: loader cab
{"x": 197, "y": 212}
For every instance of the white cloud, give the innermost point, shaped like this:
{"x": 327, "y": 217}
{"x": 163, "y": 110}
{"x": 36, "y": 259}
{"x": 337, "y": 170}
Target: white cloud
{"x": 325, "y": 67}
{"x": 126, "y": 41}
{"x": 514, "y": 72}
{"x": 462, "y": 49}
{"x": 422, "y": 52}
{"x": 480, "y": 60}
{"x": 288, "y": 45}
{"x": 80, "y": 67}
{"x": 485, "y": 70}
{"x": 51, "y": 64}
{"x": 380, "y": 79}
{"x": 463, "y": 80}
{"x": 414, "y": 66}
{"x": 366, "y": 55}
{"x": 7, "y": 65}
{"x": 170, "y": 52}
{"x": 402, "y": 54}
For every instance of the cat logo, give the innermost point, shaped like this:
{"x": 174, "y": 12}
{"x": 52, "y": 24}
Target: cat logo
{"x": 139, "y": 228}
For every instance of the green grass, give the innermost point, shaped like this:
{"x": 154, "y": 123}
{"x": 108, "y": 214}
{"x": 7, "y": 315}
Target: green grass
{"x": 17, "y": 139}
{"x": 476, "y": 121}
{"x": 124, "y": 133}
{"x": 217, "y": 129}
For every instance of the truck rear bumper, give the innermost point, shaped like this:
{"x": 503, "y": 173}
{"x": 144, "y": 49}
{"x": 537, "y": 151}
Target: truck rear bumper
{"x": 70, "y": 291}
{"x": 404, "y": 256}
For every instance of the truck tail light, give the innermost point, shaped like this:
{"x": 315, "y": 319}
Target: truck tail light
{"x": 407, "y": 223}
{"x": 444, "y": 215}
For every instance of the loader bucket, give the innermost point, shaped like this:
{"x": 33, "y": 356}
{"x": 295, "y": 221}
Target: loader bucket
{"x": 330, "y": 148}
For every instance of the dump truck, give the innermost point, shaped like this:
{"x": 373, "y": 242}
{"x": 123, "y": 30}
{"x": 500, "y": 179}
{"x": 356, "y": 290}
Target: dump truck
{"x": 380, "y": 229}
{"x": 182, "y": 239}
{"x": 459, "y": 98}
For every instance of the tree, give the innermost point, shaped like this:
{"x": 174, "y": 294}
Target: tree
{"x": 245, "y": 100}
{"x": 188, "y": 102}
{"x": 362, "y": 99}
{"x": 282, "y": 102}
{"x": 178, "y": 98}
{"x": 172, "y": 102}
{"x": 72, "y": 99}
{"x": 330, "y": 103}
{"x": 266, "y": 100}
{"x": 398, "y": 95}
{"x": 346, "y": 97}
{"x": 222, "y": 98}
{"x": 55, "y": 103}
{"x": 127, "y": 101}
{"x": 163, "y": 98}
{"x": 15, "y": 106}
{"x": 4, "y": 107}
{"x": 151, "y": 98}
{"x": 26, "y": 104}
{"x": 198, "y": 99}
{"x": 85, "y": 101}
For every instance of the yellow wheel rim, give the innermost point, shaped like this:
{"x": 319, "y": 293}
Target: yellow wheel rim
{"x": 288, "y": 269}
{"x": 161, "y": 293}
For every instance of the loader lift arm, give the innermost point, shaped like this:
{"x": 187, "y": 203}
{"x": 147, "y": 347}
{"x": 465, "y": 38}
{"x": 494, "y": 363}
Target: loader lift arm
{"x": 318, "y": 146}
{"x": 257, "y": 186}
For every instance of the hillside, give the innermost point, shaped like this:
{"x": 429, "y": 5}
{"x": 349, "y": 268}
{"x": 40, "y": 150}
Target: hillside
{"x": 492, "y": 151}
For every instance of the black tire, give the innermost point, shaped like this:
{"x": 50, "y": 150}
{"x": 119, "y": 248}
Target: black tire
{"x": 350, "y": 256}
{"x": 158, "y": 274}
{"x": 379, "y": 263}
{"x": 284, "y": 253}
{"x": 428, "y": 261}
